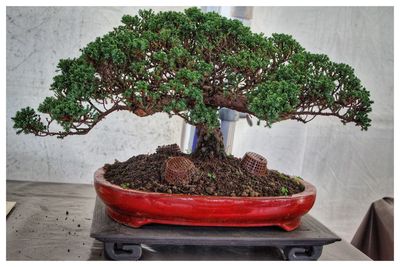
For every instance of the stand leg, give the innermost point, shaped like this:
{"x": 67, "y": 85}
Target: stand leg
{"x": 120, "y": 251}
{"x": 302, "y": 253}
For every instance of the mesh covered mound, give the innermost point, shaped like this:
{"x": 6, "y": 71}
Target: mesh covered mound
{"x": 255, "y": 164}
{"x": 178, "y": 170}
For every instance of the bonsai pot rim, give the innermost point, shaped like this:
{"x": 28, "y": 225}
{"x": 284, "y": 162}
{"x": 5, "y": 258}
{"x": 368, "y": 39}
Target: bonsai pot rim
{"x": 183, "y": 209}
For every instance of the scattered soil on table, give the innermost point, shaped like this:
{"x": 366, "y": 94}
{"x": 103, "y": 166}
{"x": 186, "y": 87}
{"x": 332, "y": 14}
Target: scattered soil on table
{"x": 212, "y": 177}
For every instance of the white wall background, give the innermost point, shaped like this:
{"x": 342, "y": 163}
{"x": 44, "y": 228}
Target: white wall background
{"x": 350, "y": 168}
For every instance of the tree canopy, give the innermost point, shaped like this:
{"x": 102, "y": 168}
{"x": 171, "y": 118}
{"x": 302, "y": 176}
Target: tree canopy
{"x": 190, "y": 64}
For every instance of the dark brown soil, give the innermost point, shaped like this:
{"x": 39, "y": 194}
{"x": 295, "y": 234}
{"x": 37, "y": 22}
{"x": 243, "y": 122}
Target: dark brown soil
{"x": 213, "y": 177}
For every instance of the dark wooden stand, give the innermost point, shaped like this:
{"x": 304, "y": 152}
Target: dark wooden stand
{"x": 124, "y": 243}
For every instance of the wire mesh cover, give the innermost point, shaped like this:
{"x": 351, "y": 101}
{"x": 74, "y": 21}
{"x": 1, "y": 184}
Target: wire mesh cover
{"x": 178, "y": 170}
{"x": 254, "y": 163}
{"x": 168, "y": 149}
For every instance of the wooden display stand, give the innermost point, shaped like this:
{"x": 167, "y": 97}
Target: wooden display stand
{"x": 124, "y": 243}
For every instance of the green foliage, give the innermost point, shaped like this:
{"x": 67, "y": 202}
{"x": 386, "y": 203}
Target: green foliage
{"x": 201, "y": 114}
{"x": 76, "y": 81}
{"x": 191, "y": 64}
{"x": 284, "y": 191}
{"x": 27, "y": 121}
{"x": 125, "y": 185}
{"x": 75, "y": 85}
{"x": 271, "y": 99}
{"x": 212, "y": 176}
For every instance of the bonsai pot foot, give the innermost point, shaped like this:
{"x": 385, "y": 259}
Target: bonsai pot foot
{"x": 290, "y": 225}
{"x": 129, "y": 220}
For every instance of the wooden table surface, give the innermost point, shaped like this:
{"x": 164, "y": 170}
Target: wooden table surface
{"x": 51, "y": 221}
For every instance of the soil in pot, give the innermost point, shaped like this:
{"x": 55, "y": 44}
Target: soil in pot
{"x": 217, "y": 177}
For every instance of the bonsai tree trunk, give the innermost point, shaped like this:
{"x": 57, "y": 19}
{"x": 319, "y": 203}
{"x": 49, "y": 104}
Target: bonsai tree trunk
{"x": 210, "y": 143}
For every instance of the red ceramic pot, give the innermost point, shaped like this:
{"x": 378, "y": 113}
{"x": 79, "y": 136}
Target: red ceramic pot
{"x": 136, "y": 208}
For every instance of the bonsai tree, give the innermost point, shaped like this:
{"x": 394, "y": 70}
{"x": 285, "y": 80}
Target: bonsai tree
{"x": 190, "y": 65}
